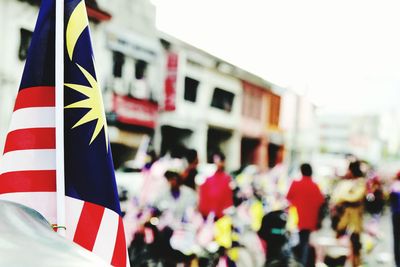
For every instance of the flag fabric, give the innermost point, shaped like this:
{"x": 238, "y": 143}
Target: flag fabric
{"x": 28, "y": 167}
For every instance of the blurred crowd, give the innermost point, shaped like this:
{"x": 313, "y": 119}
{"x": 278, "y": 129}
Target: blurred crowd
{"x": 190, "y": 215}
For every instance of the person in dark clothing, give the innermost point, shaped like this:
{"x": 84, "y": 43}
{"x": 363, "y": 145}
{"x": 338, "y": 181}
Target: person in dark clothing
{"x": 306, "y": 196}
{"x": 395, "y": 208}
{"x": 190, "y": 173}
{"x": 374, "y": 201}
{"x": 273, "y": 231}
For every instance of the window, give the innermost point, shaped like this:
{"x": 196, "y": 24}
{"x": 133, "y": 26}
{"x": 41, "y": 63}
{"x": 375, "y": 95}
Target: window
{"x": 222, "y": 99}
{"x": 191, "y": 89}
{"x": 118, "y": 63}
{"x": 26, "y": 37}
{"x": 140, "y": 69}
{"x": 275, "y": 103}
{"x": 140, "y": 84}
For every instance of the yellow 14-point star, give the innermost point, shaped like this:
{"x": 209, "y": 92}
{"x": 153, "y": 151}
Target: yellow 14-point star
{"x": 93, "y": 102}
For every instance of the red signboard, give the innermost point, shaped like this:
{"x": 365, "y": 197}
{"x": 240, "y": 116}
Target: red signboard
{"x": 135, "y": 111}
{"x": 170, "y": 82}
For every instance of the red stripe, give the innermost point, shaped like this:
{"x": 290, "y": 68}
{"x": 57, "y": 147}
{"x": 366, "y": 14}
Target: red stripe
{"x": 88, "y": 225}
{"x": 33, "y": 138}
{"x": 119, "y": 257}
{"x": 28, "y": 181}
{"x": 41, "y": 96}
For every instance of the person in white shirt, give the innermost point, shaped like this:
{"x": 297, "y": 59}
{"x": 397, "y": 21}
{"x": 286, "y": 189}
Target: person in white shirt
{"x": 176, "y": 198}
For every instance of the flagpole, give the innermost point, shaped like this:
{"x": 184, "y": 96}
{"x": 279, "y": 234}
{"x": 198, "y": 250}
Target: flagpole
{"x": 59, "y": 79}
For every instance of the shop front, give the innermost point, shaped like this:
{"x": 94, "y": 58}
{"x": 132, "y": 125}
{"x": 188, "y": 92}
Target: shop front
{"x": 131, "y": 122}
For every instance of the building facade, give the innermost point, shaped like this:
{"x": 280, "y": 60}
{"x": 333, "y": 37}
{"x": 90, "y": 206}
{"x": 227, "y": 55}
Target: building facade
{"x": 130, "y": 62}
{"x": 300, "y": 128}
{"x": 155, "y": 87}
{"x": 211, "y": 105}
{"x": 358, "y": 135}
{"x": 260, "y": 125}
{"x": 202, "y": 106}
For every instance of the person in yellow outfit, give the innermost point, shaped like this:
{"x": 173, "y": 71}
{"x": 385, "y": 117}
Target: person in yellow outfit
{"x": 348, "y": 197}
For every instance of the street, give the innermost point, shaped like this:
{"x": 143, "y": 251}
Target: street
{"x": 382, "y": 254}
{"x": 377, "y": 242}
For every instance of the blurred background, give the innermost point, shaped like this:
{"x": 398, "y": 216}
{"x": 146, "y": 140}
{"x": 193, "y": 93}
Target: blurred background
{"x": 245, "y": 77}
{"x": 269, "y": 84}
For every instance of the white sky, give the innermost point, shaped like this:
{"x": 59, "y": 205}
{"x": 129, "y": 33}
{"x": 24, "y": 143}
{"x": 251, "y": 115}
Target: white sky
{"x": 344, "y": 54}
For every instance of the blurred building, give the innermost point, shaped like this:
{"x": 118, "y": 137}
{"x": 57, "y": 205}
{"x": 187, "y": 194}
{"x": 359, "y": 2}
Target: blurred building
{"x": 211, "y": 105}
{"x": 300, "y": 127}
{"x": 365, "y": 141}
{"x": 335, "y": 132}
{"x": 357, "y": 135}
{"x": 130, "y": 62}
{"x": 260, "y": 129}
{"x": 156, "y": 86}
{"x": 202, "y": 105}
{"x": 389, "y": 132}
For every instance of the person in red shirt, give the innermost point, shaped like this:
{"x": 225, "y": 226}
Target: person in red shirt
{"x": 306, "y": 196}
{"x": 216, "y": 195}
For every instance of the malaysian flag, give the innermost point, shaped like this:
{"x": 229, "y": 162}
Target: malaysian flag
{"x": 28, "y": 165}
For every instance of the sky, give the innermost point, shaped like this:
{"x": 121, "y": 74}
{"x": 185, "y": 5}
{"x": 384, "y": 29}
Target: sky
{"x": 344, "y": 55}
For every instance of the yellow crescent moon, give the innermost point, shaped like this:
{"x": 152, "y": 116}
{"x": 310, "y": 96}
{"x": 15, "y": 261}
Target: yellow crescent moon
{"x": 77, "y": 23}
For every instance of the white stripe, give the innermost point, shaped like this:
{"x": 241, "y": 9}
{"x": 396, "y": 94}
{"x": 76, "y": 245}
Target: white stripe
{"x": 28, "y": 160}
{"x": 73, "y": 209}
{"x": 43, "y": 202}
{"x": 38, "y": 117}
{"x": 107, "y": 235}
